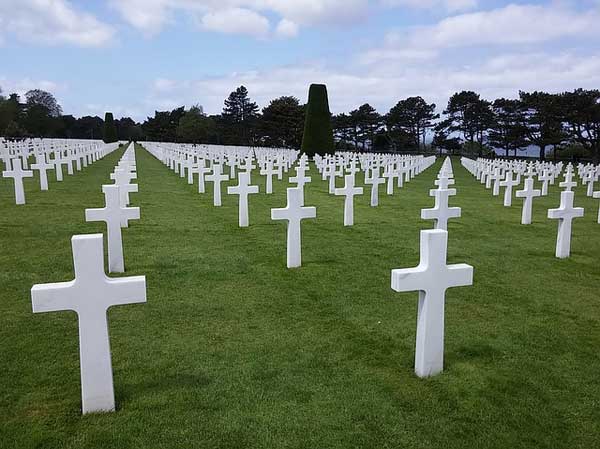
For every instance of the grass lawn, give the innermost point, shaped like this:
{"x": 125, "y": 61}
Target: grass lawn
{"x": 233, "y": 350}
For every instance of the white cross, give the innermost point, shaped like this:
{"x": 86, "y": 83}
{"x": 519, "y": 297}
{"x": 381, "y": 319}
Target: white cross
{"x": 390, "y": 174}
{"x": 544, "y": 178}
{"x": 91, "y": 294}
{"x": 509, "y": 183}
{"x": 496, "y": 177}
{"x": 294, "y": 213}
{"x": 443, "y": 182}
{"x": 217, "y": 177}
{"x": 113, "y": 215}
{"x": 332, "y": 172}
{"x": 529, "y": 193}
{"x": 440, "y": 212}
{"x": 42, "y": 167}
{"x": 591, "y": 178}
{"x": 123, "y": 178}
{"x": 269, "y": 171}
{"x": 349, "y": 191}
{"x": 58, "y": 163}
{"x": 17, "y": 174}
{"x": 568, "y": 183}
{"x": 374, "y": 180}
{"x": 597, "y": 195}
{"x": 300, "y": 180}
{"x": 432, "y": 277}
{"x": 565, "y": 215}
{"x": 243, "y": 189}
{"x": 201, "y": 169}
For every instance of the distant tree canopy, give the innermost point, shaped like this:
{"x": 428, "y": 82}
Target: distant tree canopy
{"x": 282, "y": 123}
{"x": 195, "y": 127}
{"x": 566, "y": 124}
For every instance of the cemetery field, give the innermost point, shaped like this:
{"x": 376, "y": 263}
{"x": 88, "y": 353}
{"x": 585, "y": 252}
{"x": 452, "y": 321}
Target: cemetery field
{"x": 233, "y": 350}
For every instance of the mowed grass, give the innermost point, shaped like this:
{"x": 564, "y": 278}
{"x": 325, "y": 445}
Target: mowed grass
{"x": 233, "y": 350}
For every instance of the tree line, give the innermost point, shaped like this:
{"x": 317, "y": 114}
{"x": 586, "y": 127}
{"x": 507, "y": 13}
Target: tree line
{"x": 558, "y": 125}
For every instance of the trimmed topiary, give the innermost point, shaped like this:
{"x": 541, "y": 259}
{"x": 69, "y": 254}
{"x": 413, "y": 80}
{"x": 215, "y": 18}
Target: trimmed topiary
{"x": 110, "y": 130}
{"x": 318, "y": 132}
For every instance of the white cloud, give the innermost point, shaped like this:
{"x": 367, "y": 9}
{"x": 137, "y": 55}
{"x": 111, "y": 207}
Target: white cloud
{"x": 448, "y": 5}
{"x": 51, "y": 22}
{"x": 151, "y": 16}
{"x": 21, "y": 86}
{"x": 236, "y": 21}
{"x": 512, "y": 24}
{"x": 286, "y": 29}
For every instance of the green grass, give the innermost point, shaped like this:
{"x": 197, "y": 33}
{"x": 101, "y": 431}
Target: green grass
{"x": 233, "y": 350}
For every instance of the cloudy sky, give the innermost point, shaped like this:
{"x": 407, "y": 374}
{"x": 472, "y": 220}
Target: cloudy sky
{"x": 134, "y": 56}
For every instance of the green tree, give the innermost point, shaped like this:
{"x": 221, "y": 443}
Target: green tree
{"x": 508, "y": 131}
{"x": 364, "y": 122}
{"x": 282, "y": 123}
{"x": 10, "y": 111}
{"x": 442, "y": 140}
{"x": 110, "y": 130}
{"x": 163, "y": 126}
{"x": 581, "y": 111}
{"x": 470, "y": 116}
{"x": 411, "y": 118}
{"x": 318, "y": 132}
{"x": 195, "y": 127}
{"x": 41, "y": 98}
{"x": 240, "y": 115}
{"x": 542, "y": 113}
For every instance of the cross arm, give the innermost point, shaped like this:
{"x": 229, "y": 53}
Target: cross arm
{"x": 460, "y": 275}
{"x": 128, "y": 290}
{"x": 409, "y": 279}
{"x": 52, "y": 297}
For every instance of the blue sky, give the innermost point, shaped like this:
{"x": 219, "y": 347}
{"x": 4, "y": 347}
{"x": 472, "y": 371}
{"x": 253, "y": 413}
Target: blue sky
{"x": 135, "y": 56}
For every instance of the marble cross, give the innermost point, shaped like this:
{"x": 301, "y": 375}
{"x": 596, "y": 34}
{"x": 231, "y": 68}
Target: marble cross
{"x": 545, "y": 178}
{"x": 243, "y": 189}
{"x": 17, "y": 174}
{"x": 568, "y": 183}
{"x": 269, "y": 171}
{"x": 509, "y": 183}
{"x": 294, "y": 213}
{"x": 565, "y": 215}
{"x": 528, "y": 193}
{"x": 90, "y": 295}
{"x": 349, "y": 191}
{"x": 440, "y": 212}
{"x": 42, "y": 167}
{"x": 374, "y": 180}
{"x": 202, "y": 170}
{"x": 123, "y": 178}
{"x": 113, "y": 214}
{"x": 432, "y": 277}
{"x": 300, "y": 180}
{"x": 597, "y": 195}
{"x": 217, "y": 177}
{"x": 443, "y": 182}
{"x": 496, "y": 177}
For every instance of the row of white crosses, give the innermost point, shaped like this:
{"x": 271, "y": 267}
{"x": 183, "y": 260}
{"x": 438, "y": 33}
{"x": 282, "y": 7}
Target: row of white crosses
{"x": 396, "y": 169}
{"x": 92, "y": 292}
{"x": 188, "y": 159}
{"x": 49, "y": 154}
{"x": 547, "y": 173}
{"x": 293, "y": 213}
{"x": 432, "y": 277}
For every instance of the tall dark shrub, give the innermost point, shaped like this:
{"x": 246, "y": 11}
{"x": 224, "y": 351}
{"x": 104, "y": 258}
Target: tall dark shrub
{"x": 318, "y": 133}
{"x": 110, "y": 130}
